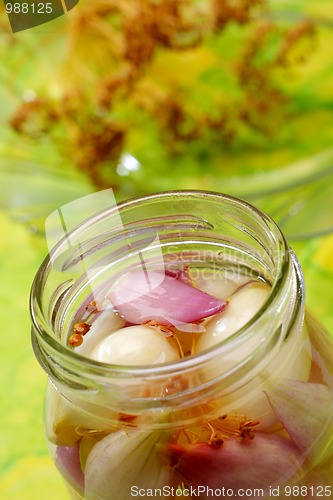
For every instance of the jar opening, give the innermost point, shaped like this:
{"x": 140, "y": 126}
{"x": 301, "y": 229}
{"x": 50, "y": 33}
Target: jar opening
{"x": 209, "y": 233}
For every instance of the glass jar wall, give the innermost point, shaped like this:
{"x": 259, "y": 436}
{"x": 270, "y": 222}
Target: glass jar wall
{"x": 180, "y": 356}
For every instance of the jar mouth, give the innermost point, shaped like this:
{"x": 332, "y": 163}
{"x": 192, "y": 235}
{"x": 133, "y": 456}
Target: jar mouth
{"x": 45, "y": 338}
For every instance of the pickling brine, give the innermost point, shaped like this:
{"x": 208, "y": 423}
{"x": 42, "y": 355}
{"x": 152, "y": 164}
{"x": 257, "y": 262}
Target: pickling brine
{"x": 182, "y": 361}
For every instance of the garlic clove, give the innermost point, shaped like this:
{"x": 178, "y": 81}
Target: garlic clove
{"x": 305, "y": 410}
{"x": 243, "y": 305}
{"x": 86, "y": 445}
{"x": 221, "y": 284}
{"x": 292, "y": 361}
{"x": 106, "y": 322}
{"x": 64, "y": 418}
{"x": 135, "y": 345}
{"x": 124, "y": 459}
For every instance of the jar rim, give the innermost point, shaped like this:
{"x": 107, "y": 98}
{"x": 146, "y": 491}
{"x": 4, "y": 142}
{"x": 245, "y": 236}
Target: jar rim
{"x": 48, "y": 342}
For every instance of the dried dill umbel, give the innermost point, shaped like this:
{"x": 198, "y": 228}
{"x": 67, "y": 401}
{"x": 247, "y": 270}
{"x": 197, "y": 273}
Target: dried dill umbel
{"x": 113, "y": 79}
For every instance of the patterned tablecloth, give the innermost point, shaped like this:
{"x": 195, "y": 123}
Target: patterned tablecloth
{"x": 26, "y": 471}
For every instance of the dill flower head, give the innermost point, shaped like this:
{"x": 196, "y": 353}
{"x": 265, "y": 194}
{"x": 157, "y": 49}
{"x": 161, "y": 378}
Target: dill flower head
{"x": 124, "y": 66}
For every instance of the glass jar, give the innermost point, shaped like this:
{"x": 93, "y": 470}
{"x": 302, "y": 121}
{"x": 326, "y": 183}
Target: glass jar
{"x": 250, "y": 414}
